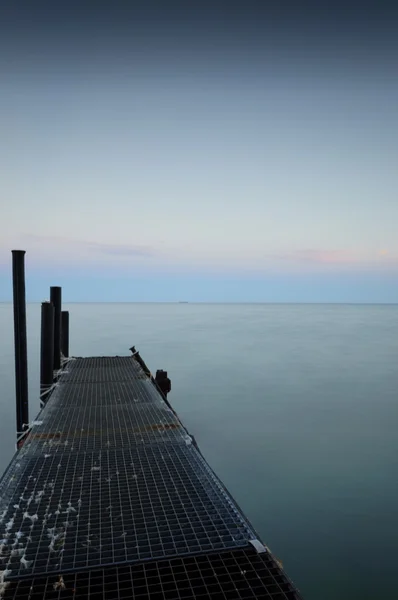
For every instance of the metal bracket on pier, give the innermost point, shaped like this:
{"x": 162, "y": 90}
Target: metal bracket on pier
{"x": 257, "y": 545}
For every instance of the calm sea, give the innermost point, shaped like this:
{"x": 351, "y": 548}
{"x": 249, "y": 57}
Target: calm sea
{"x": 294, "y": 406}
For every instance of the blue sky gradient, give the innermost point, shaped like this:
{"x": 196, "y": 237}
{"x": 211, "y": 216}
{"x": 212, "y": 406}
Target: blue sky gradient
{"x": 199, "y": 157}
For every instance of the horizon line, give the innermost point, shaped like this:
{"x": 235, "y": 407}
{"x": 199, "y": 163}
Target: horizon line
{"x": 212, "y": 302}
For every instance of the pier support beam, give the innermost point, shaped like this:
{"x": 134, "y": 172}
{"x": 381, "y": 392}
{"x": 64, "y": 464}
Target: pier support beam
{"x": 21, "y": 353}
{"x": 65, "y": 333}
{"x": 56, "y": 299}
{"x": 46, "y": 346}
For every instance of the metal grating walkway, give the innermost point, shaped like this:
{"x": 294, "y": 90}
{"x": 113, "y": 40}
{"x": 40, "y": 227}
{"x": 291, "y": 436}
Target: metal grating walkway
{"x": 225, "y": 576}
{"x": 109, "y": 479}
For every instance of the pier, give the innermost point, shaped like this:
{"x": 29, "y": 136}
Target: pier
{"x": 108, "y": 495}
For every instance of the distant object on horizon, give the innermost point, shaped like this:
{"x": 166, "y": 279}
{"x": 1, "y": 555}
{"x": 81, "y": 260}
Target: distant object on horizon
{"x": 183, "y": 302}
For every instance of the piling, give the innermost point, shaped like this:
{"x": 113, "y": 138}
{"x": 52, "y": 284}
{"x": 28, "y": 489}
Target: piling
{"x": 65, "y": 333}
{"x": 47, "y": 346}
{"x": 163, "y": 382}
{"x": 55, "y": 298}
{"x": 21, "y": 355}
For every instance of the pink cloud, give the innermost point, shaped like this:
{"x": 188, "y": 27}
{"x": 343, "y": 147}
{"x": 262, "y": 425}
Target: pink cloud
{"x": 318, "y": 260}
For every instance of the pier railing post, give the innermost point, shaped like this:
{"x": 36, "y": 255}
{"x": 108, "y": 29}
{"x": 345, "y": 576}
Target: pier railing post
{"x": 56, "y": 299}
{"x": 65, "y": 333}
{"x": 46, "y": 346}
{"x": 21, "y": 353}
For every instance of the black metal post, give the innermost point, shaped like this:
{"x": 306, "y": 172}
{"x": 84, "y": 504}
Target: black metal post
{"x": 46, "y": 346}
{"x": 163, "y": 382}
{"x": 21, "y": 353}
{"x": 55, "y": 298}
{"x": 65, "y": 333}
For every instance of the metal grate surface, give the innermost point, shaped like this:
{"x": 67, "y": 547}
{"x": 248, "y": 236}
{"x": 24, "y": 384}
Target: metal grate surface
{"x": 106, "y": 393}
{"x": 76, "y": 511}
{"x": 102, "y": 369}
{"x": 109, "y": 476}
{"x": 90, "y": 427}
{"x": 223, "y": 576}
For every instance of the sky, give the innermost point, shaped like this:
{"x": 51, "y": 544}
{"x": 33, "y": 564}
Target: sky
{"x": 210, "y": 152}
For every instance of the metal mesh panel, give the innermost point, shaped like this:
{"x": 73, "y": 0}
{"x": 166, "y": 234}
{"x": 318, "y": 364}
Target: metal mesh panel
{"x": 224, "y": 576}
{"x": 103, "y": 369}
{"x": 88, "y": 427}
{"x": 74, "y": 511}
{"x": 109, "y": 476}
{"x": 106, "y": 393}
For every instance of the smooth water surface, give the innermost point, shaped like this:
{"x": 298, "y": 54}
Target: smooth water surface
{"x": 294, "y": 406}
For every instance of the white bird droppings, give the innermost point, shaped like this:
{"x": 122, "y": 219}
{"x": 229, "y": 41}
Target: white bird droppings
{"x": 25, "y": 563}
{"x": 60, "y": 584}
{"x": 4, "y": 584}
{"x": 33, "y": 518}
{"x": 38, "y": 496}
{"x": 70, "y": 508}
{"x": 10, "y": 524}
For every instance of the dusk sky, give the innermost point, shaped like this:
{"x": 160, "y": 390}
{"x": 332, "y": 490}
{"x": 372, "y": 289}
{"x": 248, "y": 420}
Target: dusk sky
{"x": 194, "y": 151}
